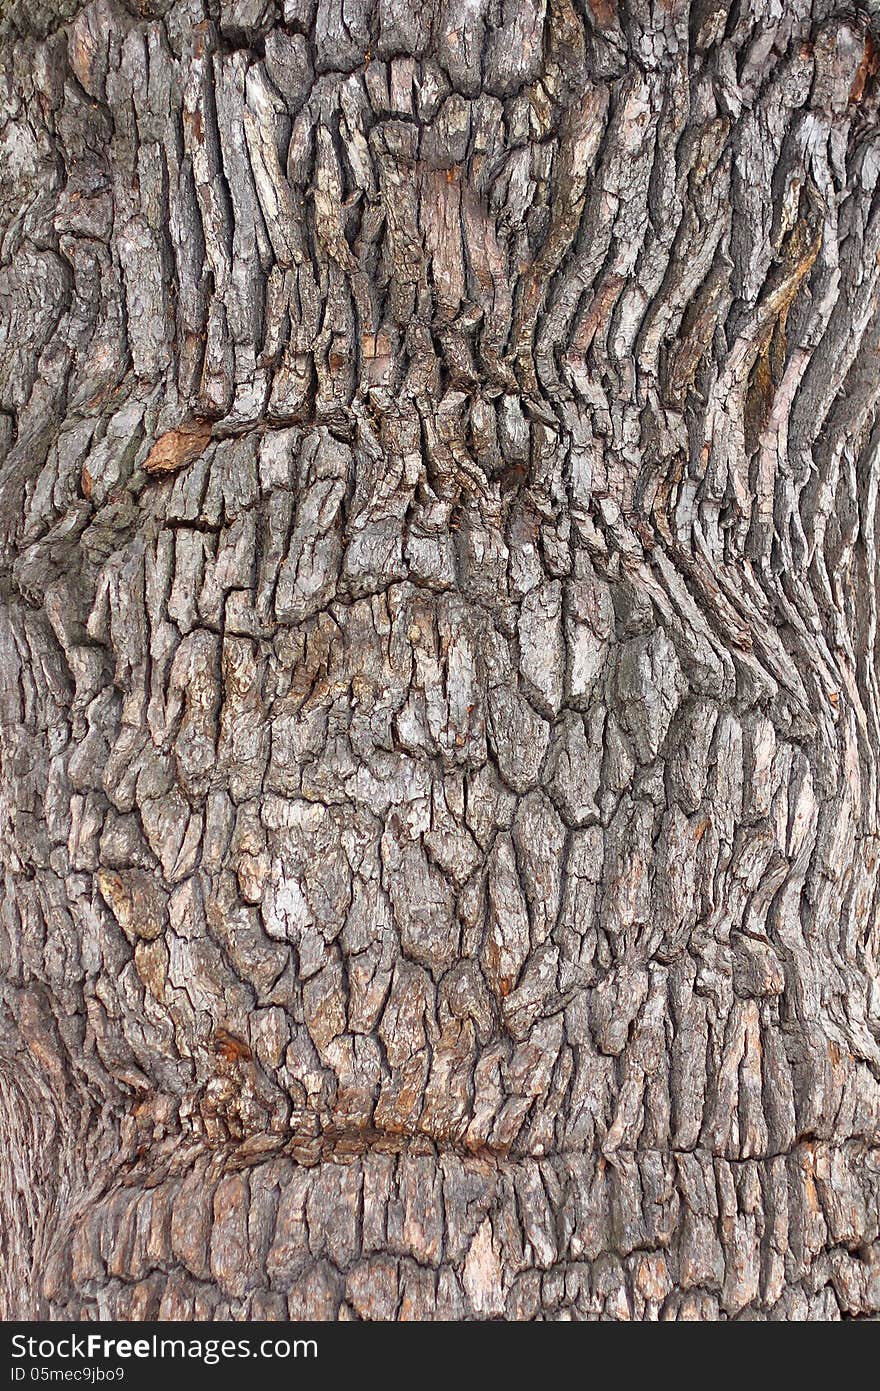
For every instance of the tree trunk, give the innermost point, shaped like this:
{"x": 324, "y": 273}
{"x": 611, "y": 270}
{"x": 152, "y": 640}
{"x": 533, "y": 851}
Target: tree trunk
{"x": 439, "y": 651}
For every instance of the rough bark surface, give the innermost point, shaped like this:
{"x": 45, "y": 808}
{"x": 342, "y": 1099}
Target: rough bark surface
{"x": 439, "y": 649}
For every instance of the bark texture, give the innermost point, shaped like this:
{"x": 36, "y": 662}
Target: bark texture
{"x": 439, "y": 648}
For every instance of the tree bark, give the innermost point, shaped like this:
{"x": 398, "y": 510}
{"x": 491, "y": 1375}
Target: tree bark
{"x": 439, "y": 657}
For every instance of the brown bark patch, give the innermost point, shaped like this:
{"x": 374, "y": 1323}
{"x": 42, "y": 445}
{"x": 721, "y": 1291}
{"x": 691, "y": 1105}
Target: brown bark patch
{"x": 866, "y": 72}
{"x": 604, "y": 12}
{"x": 177, "y": 448}
{"x": 230, "y": 1048}
{"x": 135, "y": 900}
